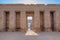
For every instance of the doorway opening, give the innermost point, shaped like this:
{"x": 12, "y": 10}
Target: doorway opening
{"x": 29, "y": 22}
{"x": 29, "y": 17}
{"x": 7, "y": 20}
{"x": 42, "y": 20}
{"x": 52, "y": 20}
{"x": 17, "y": 21}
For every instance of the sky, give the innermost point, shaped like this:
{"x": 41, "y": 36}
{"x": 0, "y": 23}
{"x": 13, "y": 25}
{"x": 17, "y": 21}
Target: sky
{"x": 29, "y": 1}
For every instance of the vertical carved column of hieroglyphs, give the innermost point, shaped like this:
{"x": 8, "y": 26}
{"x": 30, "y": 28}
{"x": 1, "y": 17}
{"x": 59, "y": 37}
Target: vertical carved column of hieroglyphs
{"x": 23, "y": 21}
{"x": 47, "y": 21}
{"x": 12, "y": 19}
{"x": 36, "y": 23}
{"x": 2, "y": 20}
{"x": 57, "y": 20}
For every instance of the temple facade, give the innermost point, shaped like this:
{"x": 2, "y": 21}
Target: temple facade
{"x": 44, "y": 18}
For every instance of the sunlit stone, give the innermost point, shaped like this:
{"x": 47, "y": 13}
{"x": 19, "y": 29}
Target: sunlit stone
{"x": 30, "y": 32}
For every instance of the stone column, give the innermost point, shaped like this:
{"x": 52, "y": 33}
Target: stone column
{"x": 2, "y": 20}
{"x": 57, "y": 20}
{"x": 36, "y": 23}
{"x": 23, "y": 21}
{"x": 47, "y": 21}
{"x": 12, "y": 19}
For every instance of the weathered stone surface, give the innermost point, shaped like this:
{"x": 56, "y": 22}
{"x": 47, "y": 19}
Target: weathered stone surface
{"x": 34, "y": 11}
{"x": 23, "y": 21}
{"x": 2, "y": 21}
{"x": 47, "y": 21}
{"x": 12, "y": 19}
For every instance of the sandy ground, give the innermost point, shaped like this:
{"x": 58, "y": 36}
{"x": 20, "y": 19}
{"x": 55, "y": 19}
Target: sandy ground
{"x": 22, "y": 36}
